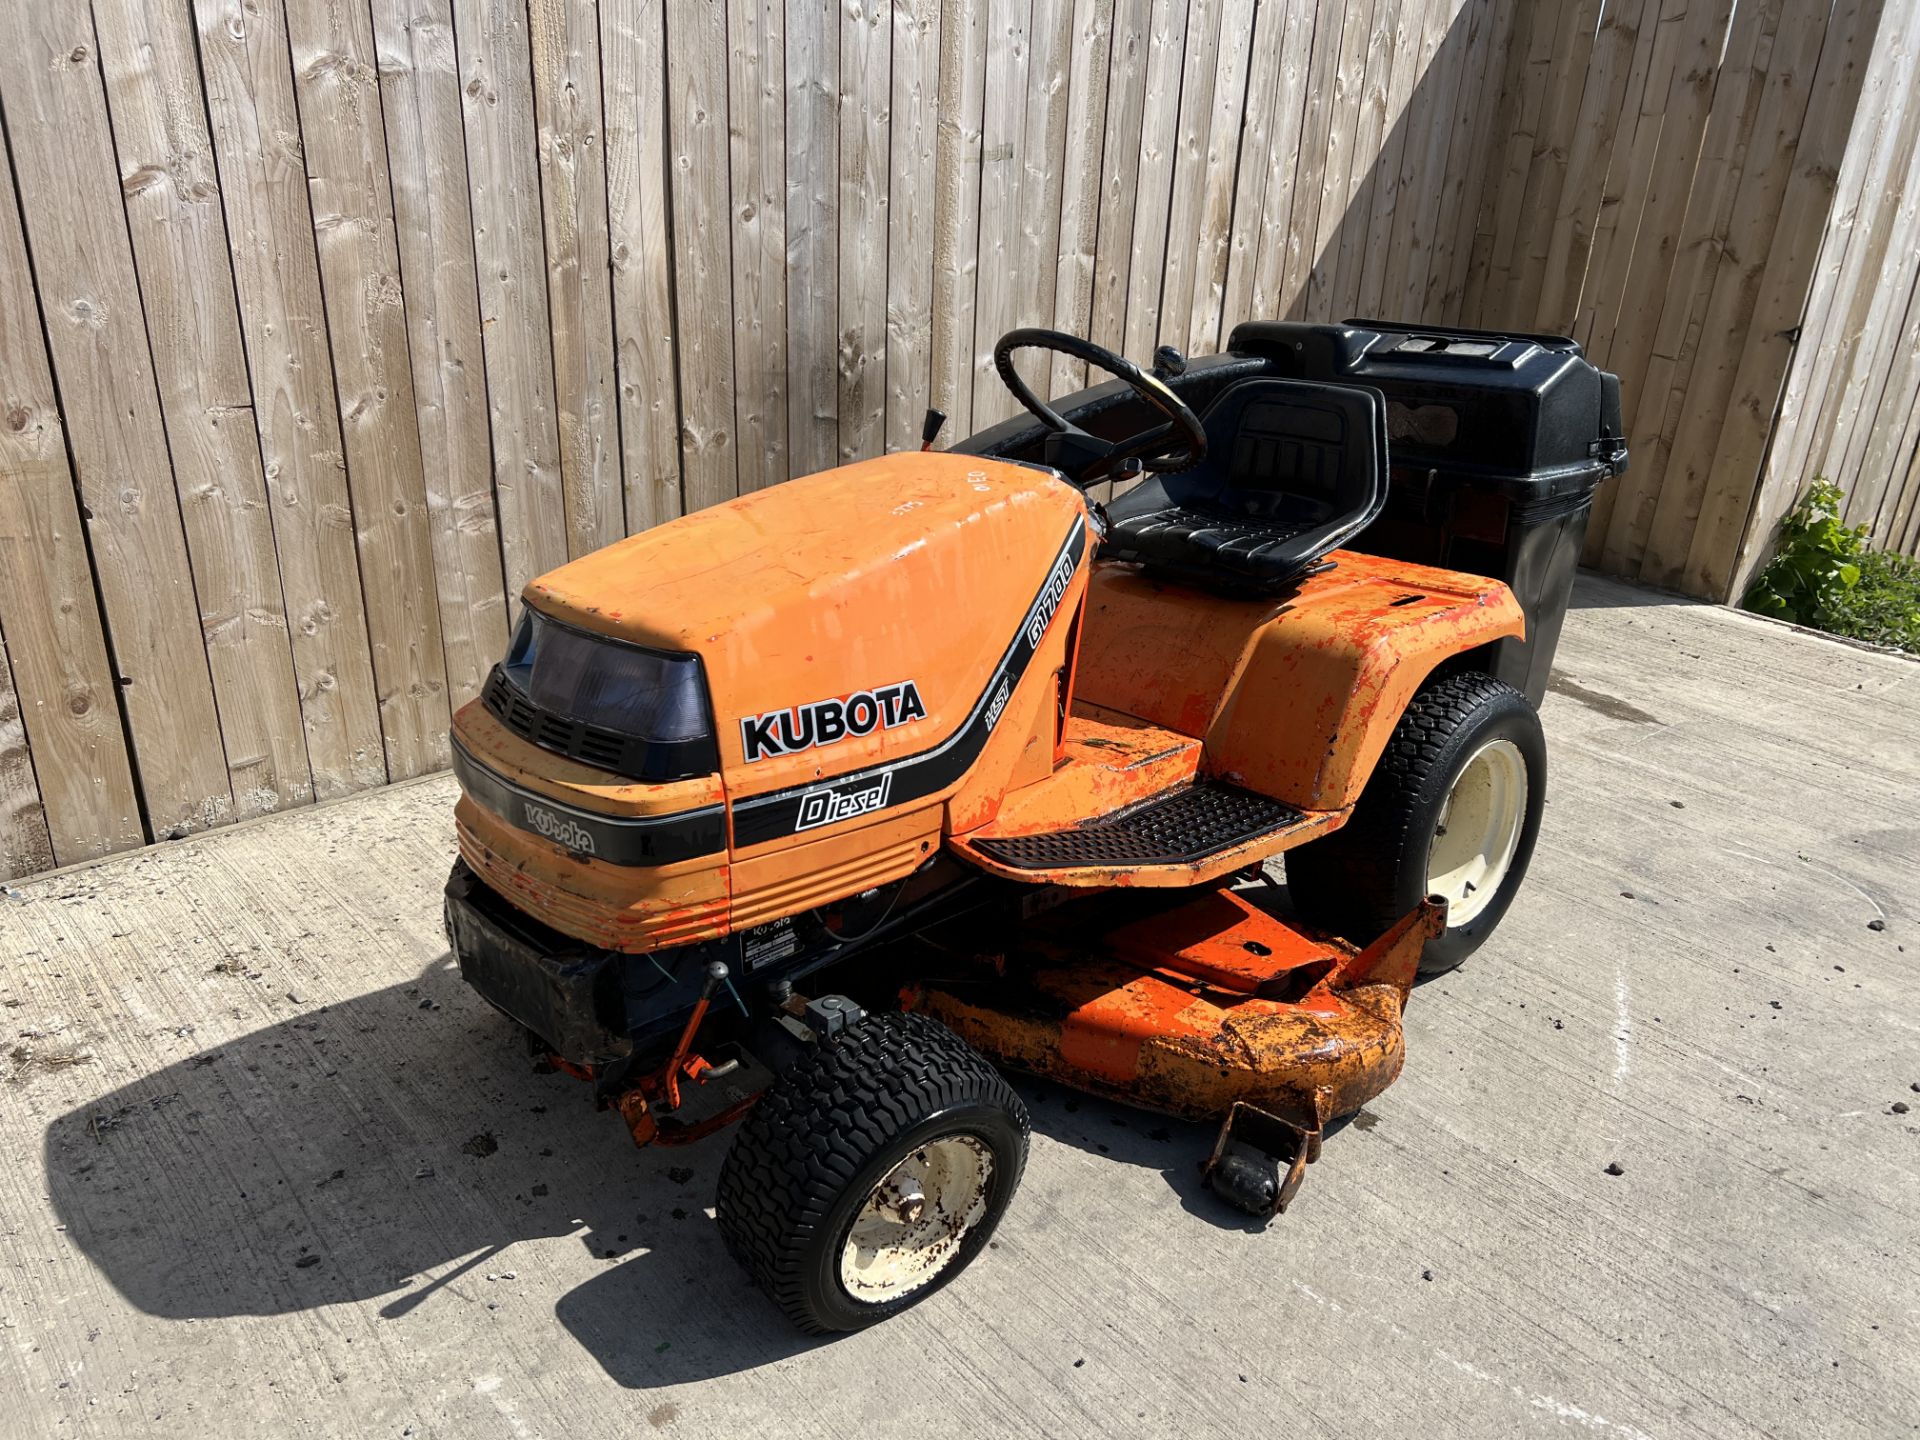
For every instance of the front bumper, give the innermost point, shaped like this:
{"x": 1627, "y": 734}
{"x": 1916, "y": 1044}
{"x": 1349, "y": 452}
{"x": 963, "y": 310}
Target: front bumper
{"x": 589, "y": 1006}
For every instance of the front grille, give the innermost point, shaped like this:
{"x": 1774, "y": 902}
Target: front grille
{"x": 590, "y": 744}
{"x": 1178, "y": 829}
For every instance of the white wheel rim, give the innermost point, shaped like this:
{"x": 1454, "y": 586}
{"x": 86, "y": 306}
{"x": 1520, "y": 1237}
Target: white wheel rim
{"x": 916, "y": 1220}
{"x": 1479, "y": 830}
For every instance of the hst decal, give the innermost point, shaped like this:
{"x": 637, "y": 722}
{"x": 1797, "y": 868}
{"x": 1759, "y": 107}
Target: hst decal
{"x": 1000, "y": 698}
{"x": 825, "y": 722}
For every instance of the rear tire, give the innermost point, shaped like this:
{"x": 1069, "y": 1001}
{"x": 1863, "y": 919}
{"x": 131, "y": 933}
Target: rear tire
{"x": 1467, "y": 739}
{"x": 817, "y": 1197}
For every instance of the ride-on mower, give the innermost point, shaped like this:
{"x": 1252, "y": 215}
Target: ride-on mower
{"x": 794, "y": 811}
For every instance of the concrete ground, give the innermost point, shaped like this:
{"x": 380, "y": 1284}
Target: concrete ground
{"x": 268, "y": 1168}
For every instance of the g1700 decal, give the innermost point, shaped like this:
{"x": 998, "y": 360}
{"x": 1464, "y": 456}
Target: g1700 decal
{"x": 1051, "y": 595}
{"x": 807, "y": 727}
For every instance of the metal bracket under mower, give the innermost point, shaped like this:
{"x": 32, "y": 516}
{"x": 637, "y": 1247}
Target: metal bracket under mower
{"x": 1260, "y": 1158}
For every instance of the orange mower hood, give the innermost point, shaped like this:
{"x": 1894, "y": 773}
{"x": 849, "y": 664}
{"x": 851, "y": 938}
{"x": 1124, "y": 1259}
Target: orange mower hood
{"x": 908, "y": 574}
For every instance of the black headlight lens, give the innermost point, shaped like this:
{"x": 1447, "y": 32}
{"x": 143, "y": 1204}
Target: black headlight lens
{"x": 642, "y": 713}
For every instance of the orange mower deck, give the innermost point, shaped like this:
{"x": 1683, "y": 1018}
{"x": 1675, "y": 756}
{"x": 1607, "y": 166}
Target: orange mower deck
{"x": 1213, "y": 1010}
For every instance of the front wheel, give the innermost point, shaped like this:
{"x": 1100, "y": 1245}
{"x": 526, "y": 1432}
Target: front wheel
{"x": 873, "y": 1172}
{"x": 1452, "y": 808}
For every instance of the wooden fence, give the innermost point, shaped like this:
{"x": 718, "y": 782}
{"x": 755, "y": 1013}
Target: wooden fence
{"x": 326, "y": 324}
{"x": 1851, "y": 410}
{"x": 1670, "y": 167}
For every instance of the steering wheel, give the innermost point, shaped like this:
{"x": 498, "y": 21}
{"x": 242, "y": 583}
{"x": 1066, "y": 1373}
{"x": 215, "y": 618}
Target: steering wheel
{"x": 1091, "y": 457}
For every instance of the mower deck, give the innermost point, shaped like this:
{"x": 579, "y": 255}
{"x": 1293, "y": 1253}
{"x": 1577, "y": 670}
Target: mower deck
{"x": 1211, "y": 1010}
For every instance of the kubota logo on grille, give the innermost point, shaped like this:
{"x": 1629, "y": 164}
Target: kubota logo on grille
{"x": 558, "y": 828}
{"x": 824, "y": 722}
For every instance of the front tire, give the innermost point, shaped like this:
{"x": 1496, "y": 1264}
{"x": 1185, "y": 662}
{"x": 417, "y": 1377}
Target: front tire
{"x": 872, "y": 1173}
{"x": 1453, "y": 807}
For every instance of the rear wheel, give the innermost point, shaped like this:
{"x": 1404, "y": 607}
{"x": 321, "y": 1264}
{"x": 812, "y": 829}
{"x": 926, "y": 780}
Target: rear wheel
{"x": 872, "y": 1173}
{"x": 1452, "y": 808}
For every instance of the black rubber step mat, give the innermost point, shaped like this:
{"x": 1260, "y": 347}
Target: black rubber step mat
{"x": 1176, "y": 829}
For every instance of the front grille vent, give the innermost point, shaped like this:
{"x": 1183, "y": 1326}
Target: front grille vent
{"x": 589, "y": 744}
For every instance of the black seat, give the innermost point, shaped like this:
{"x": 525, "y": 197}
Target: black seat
{"x": 1293, "y": 470}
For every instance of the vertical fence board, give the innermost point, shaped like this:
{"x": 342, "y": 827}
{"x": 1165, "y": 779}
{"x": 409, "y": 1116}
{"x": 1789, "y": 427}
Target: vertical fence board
{"x": 172, "y": 196}
{"x": 89, "y": 299}
{"x": 911, "y": 162}
{"x": 1589, "y": 154}
{"x": 339, "y": 99}
{"x": 866, "y": 41}
{"x": 276, "y": 278}
{"x": 1348, "y": 79}
{"x": 702, "y": 257}
{"x": 633, "y": 60}
{"x": 49, "y": 620}
{"x": 427, "y": 159}
{"x": 1201, "y": 75}
{"x": 1663, "y": 537}
{"x": 1220, "y": 165}
{"x": 1411, "y": 55}
{"x": 1427, "y": 170}
{"x": 1042, "y": 176}
{"x": 1266, "y": 80}
{"x": 1469, "y": 155}
{"x": 1881, "y": 461}
{"x": 1656, "y": 244}
{"x": 813, "y": 264}
{"x": 1153, "y": 185}
{"x": 1263, "y": 234}
{"x": 1617, "y": 223}
{"x": 1363, "y": 179}
{"x": 1003, "y": 126}
{"x": 1529, "y": 68}
{"x": 956, "y": 214}
{"x": 1573, "y": 76}
{"x": 1299, "y": 247}
{"x": 1081, "y": 170}
{"x": 503, "y": 170}
{"x": 1819, "y": 375}
{"x": 1884, "y": 243}
{"x": 756, "y": 157}
{"x": 1120, "y": 170}
{"x": 565, "y": 39}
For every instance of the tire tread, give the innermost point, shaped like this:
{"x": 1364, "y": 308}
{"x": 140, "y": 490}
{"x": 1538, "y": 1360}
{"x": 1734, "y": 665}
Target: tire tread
{"x": 823, "y": 1121}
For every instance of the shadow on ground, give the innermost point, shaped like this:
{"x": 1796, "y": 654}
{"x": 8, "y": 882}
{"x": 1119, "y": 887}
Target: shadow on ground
{"x": 393, "y": 1148}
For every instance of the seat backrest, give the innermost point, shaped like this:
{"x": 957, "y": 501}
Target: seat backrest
{"x": 1294, "y": 469}
{"x": 1293, "y": 449}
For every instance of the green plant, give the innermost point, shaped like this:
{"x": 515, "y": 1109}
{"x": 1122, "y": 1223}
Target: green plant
{"x": 1817, "y": 563}
{"x": 1823, "y": 575}
{"x": 1884, "y": 607}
